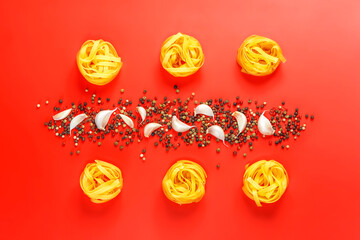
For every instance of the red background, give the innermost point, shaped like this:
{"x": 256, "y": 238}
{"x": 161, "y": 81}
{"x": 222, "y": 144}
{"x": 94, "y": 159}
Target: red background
{"x": 41, "y": 196}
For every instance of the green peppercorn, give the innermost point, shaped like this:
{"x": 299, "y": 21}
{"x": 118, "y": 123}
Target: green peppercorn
{"x": 218, "y": 150}
{"x": 218, "y": 165}
{"x": 99, "y": 143}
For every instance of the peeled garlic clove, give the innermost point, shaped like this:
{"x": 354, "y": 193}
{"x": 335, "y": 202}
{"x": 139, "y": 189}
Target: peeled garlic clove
{"x": 76, "y": 120}
{"x": 217, "y": 132}
{"x": 241, "y": 120}
{"x": 127, "y": 120}
{"x": 62, "y": 115}
{"x": 142, "y": 113}
{"x": 179, "y": 126}
{"x": 149, "y": 128}
{"x": 102, "y": 118}
{"x": 265, "y": 126}
{"x": 204, "y": 109}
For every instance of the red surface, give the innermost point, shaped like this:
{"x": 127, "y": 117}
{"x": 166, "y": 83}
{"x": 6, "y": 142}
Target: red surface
{"x": 41, "y": 197}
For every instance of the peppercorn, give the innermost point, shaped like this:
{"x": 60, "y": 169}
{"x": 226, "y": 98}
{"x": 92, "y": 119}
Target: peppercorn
{"x": 235, "y": 153}
{"x": 218, "y": 150}
{"x": 218, "y": 165}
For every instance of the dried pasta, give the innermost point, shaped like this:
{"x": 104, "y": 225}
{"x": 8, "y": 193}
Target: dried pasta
{"x": 265, "y": 181}
{"x": 98, "y": 62}
{"x": 181, "y": 55}
{"x": 101, "y": 181}
{"x": 259, "y": 56}
{"x": 184, "y": 182}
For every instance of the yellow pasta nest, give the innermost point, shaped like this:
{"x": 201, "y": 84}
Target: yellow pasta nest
{"x": 265, "y": 181}
{"x": 259, "y": 56}
{"x": 181, "y": 55}
{"x": 184, "y": 182}
{"x": 98, "y": 62}
{"x": 101, "y": 181}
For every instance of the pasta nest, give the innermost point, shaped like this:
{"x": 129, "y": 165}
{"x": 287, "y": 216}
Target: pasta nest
{"x": 98, "y": 62}
{"x": 259, "y": 56}
{"x": 184, "y": 182}
{"x": 101, "y": 181}
{"x": 181, "y": 55}
{"x": 265, "y": 181}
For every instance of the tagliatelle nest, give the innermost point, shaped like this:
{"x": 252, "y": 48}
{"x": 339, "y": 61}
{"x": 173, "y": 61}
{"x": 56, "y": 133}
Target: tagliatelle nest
{"x": 265, "y": 181}
{"x": 184, "y": 182}
{"x": 259, "y": 56}
{"x": 98, "y": 62}
{"x": 181, "y": 55}
{"x": 101, "y": 181}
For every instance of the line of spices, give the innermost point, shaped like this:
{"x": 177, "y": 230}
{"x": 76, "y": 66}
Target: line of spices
{"x": 284, "y": 122}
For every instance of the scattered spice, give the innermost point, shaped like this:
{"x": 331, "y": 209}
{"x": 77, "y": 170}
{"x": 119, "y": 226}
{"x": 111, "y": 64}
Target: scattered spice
{"x": 127, "y": 125}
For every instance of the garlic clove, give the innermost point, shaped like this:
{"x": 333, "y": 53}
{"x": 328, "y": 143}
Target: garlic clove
{"x": 179, "y": 126}
{"x": 150, "y": 127}
{"x": 241, "y": 120}
{"x": 265, "y": 126}
{"x": 205, "y": 110}
{"x": 142, "y": 113}
{"x": 76, "y": 120}
{"x": 127, "y": 120}
{"x": 217, "y": 132}
{"x": 62, "y": 115}
{"x": 102, "y": 118}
